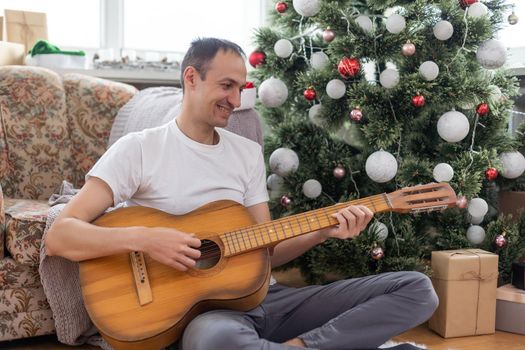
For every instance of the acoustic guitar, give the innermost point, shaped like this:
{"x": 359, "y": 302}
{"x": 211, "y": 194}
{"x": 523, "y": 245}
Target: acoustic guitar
{"x": 139, "y": 303}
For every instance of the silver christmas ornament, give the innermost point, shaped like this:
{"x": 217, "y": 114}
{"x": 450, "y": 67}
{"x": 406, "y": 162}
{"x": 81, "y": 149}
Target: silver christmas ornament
{"x": 284, "y": 161}
{"x": 312, "y": 188}
{"x": 491, "y": 54}
{"x": 307, "y": 8}
{"x": 475, "y": 234}
{"x": 273, "y": 92}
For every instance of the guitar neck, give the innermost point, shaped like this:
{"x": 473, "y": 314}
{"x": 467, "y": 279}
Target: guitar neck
{"x": 273, "y": 232}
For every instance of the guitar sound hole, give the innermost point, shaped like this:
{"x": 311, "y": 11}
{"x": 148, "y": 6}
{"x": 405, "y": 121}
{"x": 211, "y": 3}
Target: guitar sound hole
{"x": 210, "y": 255}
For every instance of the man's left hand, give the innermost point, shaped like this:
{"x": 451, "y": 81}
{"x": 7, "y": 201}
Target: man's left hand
{"x": 352, "y": 220}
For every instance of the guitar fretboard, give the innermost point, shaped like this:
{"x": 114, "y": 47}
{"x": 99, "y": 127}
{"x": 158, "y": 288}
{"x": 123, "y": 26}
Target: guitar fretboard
{"x": 270, "y": 233}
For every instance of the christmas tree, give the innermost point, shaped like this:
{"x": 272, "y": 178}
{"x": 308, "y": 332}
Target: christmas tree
{"x": 364, "y": 97}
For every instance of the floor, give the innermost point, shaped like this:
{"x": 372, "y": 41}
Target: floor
{"x": 419, "y": 335}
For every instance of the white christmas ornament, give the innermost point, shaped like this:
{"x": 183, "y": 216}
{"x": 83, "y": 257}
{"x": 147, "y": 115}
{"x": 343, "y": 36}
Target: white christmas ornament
{"x": 476, "y": 220}
{"x": 389, "y": 78}
{"x": 284, "y": 161}
{"x": 453, "y": 126}
{"x": 429, "y": 70}
{"x": 312, "y": 188}
{"x": 443, "y": 30}
{"x": 283, "y": 48}
{"x": 513, "y": 164}
{"x": 381, "y": 166}
{"x": 395, "y": 23}
{"x": 365, "y": 23}
{"x": 335, "y": 89}
{"x": 380, "y": 229}
{"x": 273, "y": 92}
{"x": 477, "y": 9}
{"x": 275, "y": 182}
{"x": 443, "y": 172}
{"x": 478, "y": 207}
{"x": 319, "y": 60}
{"x": 307, "y": 8}
{"x": 491, "y": 54}
{"x": 475, "y": 234}
{"x": 495, "y": 93}
{"x": 313, "y": 115}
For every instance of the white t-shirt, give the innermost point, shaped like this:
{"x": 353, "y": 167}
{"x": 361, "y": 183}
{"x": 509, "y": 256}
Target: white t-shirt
{"x": 164, "y": 169}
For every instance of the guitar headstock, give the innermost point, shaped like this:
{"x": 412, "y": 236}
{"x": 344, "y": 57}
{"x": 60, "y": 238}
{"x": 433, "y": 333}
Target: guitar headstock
{"x": 422, "y": 198}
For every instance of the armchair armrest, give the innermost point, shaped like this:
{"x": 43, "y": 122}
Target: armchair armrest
{"x": 2, "y": 224}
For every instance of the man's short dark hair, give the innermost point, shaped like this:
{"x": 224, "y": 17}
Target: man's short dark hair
{"x": 202, "y": 51}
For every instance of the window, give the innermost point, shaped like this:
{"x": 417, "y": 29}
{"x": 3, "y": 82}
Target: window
{"x": 512, "y": 35}
{"x": 171, "y": 25}
{"x": 70, "y": 23}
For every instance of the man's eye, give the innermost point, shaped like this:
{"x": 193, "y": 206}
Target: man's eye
{"x": 227, "y": 86}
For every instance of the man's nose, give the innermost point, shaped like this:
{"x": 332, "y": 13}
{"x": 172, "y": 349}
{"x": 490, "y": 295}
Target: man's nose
{"x": 235, "y": 98}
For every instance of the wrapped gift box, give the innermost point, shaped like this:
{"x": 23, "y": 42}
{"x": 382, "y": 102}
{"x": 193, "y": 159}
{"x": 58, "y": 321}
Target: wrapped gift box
{"x": 510, "y": 309}
{"x": 25, "y": 27}
{"x": 465, "y": 282}
{"x": 11, "y": 53}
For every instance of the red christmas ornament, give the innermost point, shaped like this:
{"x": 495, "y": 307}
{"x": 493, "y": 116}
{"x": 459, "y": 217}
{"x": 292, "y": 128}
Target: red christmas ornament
{"x": 408, "y": 49}
{"x": 310, "y": 94}
{"x": 286, "y": 201}
{"x": 339, "y": 172}
{"x": 377, "y": 253}
{"x": 466, "y": 3}
{"x": 482, "y": 109}
{"x": 349, "y": 67}
{"x": 500, "y": 240}
{"x": 248, "y": 85}
{"x": 356, "y": 115}
{"x": 328, "y": 35}
{"x": 491, "y": 174}
{"x": 418, "y": 101}
{"x": 461, "y": 202}
{"x": 256, "y": 58}
{"x": 281, "y": 7}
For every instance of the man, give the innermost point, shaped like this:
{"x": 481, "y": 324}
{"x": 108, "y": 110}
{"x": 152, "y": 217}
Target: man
{"x": 192, "y": 161}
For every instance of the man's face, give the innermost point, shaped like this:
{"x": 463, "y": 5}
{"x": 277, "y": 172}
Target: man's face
{"x": 219, "y": 93}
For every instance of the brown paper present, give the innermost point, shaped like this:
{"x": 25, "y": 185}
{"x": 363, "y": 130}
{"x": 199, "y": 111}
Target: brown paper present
{"x": 25, "y": 27}
{"x": 1, "y": 28}
{"x": 510, "y": 309}
{"x": 465, "y": 282}
{"x": 11, "y": 53}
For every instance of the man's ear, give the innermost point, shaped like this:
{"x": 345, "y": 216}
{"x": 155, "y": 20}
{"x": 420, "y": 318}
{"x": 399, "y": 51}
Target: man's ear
{"x": 190, "y": 77}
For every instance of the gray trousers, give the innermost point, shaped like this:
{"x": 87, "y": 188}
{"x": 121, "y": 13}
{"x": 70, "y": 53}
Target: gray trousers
{"x": 359, "y": 313}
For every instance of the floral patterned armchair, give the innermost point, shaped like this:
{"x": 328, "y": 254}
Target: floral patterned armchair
{"x": 52, "y": 128}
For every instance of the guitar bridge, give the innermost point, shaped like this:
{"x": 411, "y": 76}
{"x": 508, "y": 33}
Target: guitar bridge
{"x": 140, "y": 275}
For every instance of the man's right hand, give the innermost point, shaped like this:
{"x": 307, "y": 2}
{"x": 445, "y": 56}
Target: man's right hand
{"x": 171, "y": 247}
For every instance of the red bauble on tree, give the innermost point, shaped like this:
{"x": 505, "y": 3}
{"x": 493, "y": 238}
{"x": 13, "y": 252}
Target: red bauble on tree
{"x": 418, "y": 100}
{"x": 483, "y": 109}
{"x": 466, "y": 3}
{"x": 256, "y": 58}
{"x": 281, "y": 7}
{"x": 349, "y": 67}
{"x": 491, "y": 174}
{"x": 310, "y": 94}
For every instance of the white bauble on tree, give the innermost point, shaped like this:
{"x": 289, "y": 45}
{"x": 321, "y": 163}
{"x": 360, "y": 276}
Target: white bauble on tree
{"x": 275, "y": 182}
{"x": 443, "y": 172}
{"x": 381, "y": 166}
{"x": 313, "y": 115}
{"x": 284, "y": 161}
{"x": 380, "y": 229}
{"x": 477, "y": 9}
{"x": 453, "y": 126}
{"x": 429, "y": 70}
{"x": 319, "y": 60}
{"x": 335, "y": 89}
{"x": 312, "y": 188}
{"x": 395, "y": 23}
{"x": 478, "y": 207}
{"x": 273, "y": 92}
{"x": 283, "y": 48}
{"x": 443, "y": 30}
{"x": 475, "y": 234}
{"x": 389, "y": 78}
{"x": 495, "y": 94}
{"x": 365, "y": 23}
{"x": 491, "y": 54}
{"x": 476, "y": 220}
{"x": 513, "y": 164}
{"x": 307, "y": 8}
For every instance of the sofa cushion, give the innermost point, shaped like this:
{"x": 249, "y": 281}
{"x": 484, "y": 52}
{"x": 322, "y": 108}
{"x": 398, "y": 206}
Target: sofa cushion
{"x": 15, "y": 275}
{"x": 17, "y": 300}
{"x": 26, "y": 324}
{"x": 92, "y": 105}
{"x": 2, "y": 222}
{"x": 25, "y": 224}
{"x": 34, "y": 134}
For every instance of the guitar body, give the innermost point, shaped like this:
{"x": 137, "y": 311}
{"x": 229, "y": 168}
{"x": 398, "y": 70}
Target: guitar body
{"x": 109, "y": 286}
